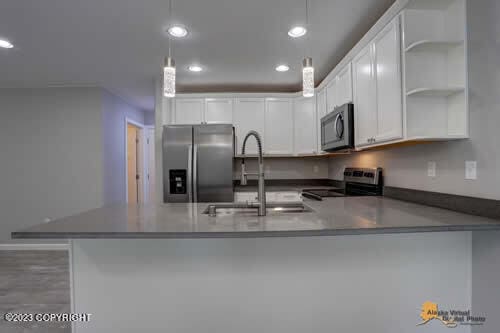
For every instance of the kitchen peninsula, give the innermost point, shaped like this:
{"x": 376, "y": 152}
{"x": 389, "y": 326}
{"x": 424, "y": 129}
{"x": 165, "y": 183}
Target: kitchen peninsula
{"x": 154, "y": 267}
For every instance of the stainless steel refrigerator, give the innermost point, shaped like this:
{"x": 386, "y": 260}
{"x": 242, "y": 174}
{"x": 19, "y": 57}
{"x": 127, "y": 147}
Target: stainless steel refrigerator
{"x": 198, "y": 163}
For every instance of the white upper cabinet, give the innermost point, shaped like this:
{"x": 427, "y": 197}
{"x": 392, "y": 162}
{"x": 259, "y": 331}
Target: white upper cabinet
{"x": 378, "y": 104}
{"x": 305, "y": 139}
{"x": 331, "y": 96}
{"x": 321, "y": 112}
{"x": 344, "y": 85}
{"x": 279, "y": 126}
{"x": 339, "y": 90}
{"x": 365, "y": 100}
{"x": 219, "y": 110}
{"x": 248, "y": 114}
{"x": 189, "y": 110}
{"x": 388, "y": 77}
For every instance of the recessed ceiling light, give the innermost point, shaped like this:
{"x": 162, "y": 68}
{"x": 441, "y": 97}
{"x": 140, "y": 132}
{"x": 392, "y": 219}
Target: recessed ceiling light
{"x": 177, "y": 31}
{"x": 297, "y": 31}
{"x": 6, "y": 44}
{"x": 282, "y": 68}
{"x": 195, "y": 68}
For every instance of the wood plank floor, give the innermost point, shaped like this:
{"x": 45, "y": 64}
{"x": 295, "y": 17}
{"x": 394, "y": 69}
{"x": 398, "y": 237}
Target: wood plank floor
{"x": 34, "y": 282}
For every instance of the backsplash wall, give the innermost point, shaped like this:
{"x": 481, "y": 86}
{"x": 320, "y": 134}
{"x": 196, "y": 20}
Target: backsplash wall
{"x": 286, "y": 168}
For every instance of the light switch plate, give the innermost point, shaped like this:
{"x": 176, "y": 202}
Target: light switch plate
{"x": 471, "y": 170}
{"x": 431, "y": 169}
{"x": 315, "y": 169}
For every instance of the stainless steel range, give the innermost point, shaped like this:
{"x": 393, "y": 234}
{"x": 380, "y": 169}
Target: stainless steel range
{"x": 358, "y": 182}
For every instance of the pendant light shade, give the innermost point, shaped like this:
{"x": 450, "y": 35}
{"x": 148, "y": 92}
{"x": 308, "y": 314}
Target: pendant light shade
{"x": 169, "y": 78}
{"x": 307, "y": 78}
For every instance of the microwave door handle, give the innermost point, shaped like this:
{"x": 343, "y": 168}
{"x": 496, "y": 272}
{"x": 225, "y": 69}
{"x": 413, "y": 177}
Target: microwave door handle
{"x": 195, "y": 173}
{"x": 322, "y": 134}
{"x": 337, "y": 118}
{"x": 189, "y": 173}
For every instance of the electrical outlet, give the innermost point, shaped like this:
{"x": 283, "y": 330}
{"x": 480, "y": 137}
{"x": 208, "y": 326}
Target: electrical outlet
{"x": 315, "y": 169}
{"x": 431, "y": 169}
{"x": 471, "y": 170}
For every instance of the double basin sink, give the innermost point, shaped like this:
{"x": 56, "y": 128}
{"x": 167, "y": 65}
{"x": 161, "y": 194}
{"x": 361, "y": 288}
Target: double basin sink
{"x": 250, "y": 208}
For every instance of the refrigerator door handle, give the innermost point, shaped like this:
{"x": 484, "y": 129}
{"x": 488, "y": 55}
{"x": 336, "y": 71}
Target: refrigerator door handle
{"x": 189, "y": 173}
{"x": 195, "y": 173}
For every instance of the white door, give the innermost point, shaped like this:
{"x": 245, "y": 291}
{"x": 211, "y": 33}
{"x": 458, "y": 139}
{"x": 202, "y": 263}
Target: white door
{"x": 365, "y": 101}
{"x": 189, "y": 110}
{"x": 305, "y": 140}
{"x": 150, "y": 161}
{"x": 344, "y": 85}
{"x": 219, "y": 111}
{"x": 248, "y": 114}
{"x": 331, "y": 96}
{"x": 388, "y": 77}
{"x": 321, "y": 112}
{"x": 279, "y": 126}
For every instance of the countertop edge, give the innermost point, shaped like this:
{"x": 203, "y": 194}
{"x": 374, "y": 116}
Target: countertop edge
{"x": 248, "y": 234}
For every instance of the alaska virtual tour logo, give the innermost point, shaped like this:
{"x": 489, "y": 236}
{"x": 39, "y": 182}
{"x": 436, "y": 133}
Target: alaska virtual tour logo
{"x": 449, "y": 318}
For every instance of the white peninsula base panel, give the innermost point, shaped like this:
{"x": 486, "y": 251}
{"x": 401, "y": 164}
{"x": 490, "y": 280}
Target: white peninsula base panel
{"x": 365, "y": 283}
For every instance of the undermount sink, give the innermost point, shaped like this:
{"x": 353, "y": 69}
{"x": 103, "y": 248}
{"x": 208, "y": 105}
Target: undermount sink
{"x": 272, "y": 208}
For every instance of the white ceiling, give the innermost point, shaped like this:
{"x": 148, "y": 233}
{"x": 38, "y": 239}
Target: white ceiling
{"x": 120, "y": 44}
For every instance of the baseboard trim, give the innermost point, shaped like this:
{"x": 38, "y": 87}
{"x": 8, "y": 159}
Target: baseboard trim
{"x": 34, "y": 247}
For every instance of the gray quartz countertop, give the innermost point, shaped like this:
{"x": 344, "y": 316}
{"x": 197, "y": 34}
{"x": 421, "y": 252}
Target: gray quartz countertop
{"x": 332, "y": 216}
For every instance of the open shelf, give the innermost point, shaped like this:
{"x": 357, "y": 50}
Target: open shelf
{"x": 433, "y": 45}
{"x": 435, "y": 92}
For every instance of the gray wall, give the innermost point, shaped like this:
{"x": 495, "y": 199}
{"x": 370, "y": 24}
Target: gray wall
{"x": 114, "y": 113}
{"x": 62, "y": 153}
{"x": 149, "y": 118}
{"x": 407, "y": 167}
{"x": 50, "y": 141}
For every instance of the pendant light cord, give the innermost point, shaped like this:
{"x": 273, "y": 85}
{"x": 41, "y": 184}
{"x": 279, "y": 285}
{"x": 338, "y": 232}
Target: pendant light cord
{"x": 306, "y": 44}
{"x": 307, "y": 13}
{"x": 169, "y": 24}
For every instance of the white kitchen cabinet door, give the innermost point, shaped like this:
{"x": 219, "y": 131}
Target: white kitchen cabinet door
{"x": 365, "y": 99}
{"x": 388, "y": 78}
{"x": 305, "y": 140}
{"x": 321, "y": 112}
{"x": 344, "y": 85}
{"x": 331, "y": 95}
{"x": 219, "y": 110}
{"x": 248, "y": 114}
{"x": 279, "y": 126}
{"x": 189, "y": 110}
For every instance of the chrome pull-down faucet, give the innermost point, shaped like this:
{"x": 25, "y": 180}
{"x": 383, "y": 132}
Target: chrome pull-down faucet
{"x": 261, "y": 196}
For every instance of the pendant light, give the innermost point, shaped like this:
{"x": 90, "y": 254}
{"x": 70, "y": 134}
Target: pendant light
{"x": 307, "y": 78}
{"x": 169, "y": 77}
{"x": 307, "y": 67}
{"x": 169, "y": 66}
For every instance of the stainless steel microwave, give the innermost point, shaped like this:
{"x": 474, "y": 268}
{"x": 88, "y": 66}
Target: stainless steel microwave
{"x": 337, "y": 129}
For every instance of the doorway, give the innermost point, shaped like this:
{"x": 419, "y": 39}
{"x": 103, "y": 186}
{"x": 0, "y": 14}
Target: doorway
{"x": 139, "y": 162}
{"x": 134, "y": 162}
